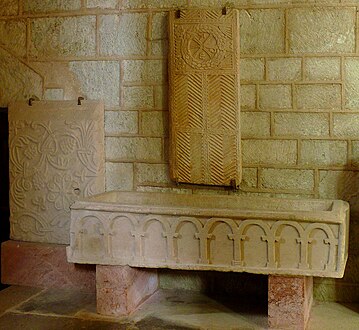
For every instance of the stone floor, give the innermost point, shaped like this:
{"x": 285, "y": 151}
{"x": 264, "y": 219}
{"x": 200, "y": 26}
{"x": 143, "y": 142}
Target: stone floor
{"x": 30, "y": 308}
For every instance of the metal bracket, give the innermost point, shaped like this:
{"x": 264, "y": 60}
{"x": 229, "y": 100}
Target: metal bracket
{"x": 31, "y": 99}
{"x": 79, "y": 99}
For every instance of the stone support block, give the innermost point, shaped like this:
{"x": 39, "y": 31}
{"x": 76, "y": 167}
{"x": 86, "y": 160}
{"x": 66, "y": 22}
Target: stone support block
{"x": 289, "y": 301}
{"x": 43, "y": 265}
{"x": 121, "y": 289}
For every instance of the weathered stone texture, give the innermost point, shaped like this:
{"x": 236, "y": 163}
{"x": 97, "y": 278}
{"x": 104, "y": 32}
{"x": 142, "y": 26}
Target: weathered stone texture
{"x": 123, "y": 34}
{"x": 161, "y": 97}
{"x": 268, "y": 152}
{"x": 323, "y": 153}
{"x": 100, "y": 80}
{"x": 149, "y": 71}
{"x": 134, "y": 4}
{"x": 284, "y": 69}
{"x": 322, "y": 68}
{"x": 275, "y": 97}
{"x": 117, "y": 122}
{"x": 255, "y": 124}
{"x": 54, "y": 94}
{"x": 119, "y": 176}
{"x": 301, "y": 124}
{"x": 322, "y": 30}
{"x": 346, "y": 125}
{"x": 43, "y": 265}
{"x": 249, "y": 178}
{"x": 154, "y": 123}
{"x": 45, "y": 6}
{"x": 159, "y": 34}
{"x": 248, "y": 97}
{"x": 252, "y": 69}
{"x": 132, "y": 149}
{"x": 355, "y": 153}
{"x": 351, "y": 83}
{"x": 319, "y": 96}
{"x": 262, "y": 31}
{"x": 138, "y": 97}
{"x": 9, "y": 7}
{"x": 287, "y": 179}
{"x": 289, "y": 301}
{"x": 152, "y": 173}
{"x": 63, "y": 36}
{"x": 108, "y": 4}
{"x": 339, "y": 184}
{"x": 13, "y": 36}
{"x": 18, "y": 81}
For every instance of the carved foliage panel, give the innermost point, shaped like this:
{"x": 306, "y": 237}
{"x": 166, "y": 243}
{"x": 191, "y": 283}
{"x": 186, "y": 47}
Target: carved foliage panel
{"x": 186, "y": 242}
{"x": 56, "y": 156}
{"x": 204, "y": 97}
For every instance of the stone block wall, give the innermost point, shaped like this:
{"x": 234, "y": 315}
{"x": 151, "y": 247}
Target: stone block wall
{"x": 299, "y": 93}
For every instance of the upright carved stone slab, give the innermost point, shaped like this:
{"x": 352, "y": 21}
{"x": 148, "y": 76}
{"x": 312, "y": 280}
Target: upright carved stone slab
{"x": 56, "y": 156}
{"x": 204, "y": 97}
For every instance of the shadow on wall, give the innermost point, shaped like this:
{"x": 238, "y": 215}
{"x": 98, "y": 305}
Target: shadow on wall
{"x": 4, "y": 180}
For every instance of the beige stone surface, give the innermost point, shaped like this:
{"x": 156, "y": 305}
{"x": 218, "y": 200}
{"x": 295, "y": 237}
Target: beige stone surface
{"x": 301, "y": 124}
{"x": 45, "y": 6}
{"x": 107, "y": 4}
{"x": 118, "y": 122}
{"x": 18, "y": 81}
{"x": 323, "y": 153}
{"x": 351, "y": 83}
{"x": 346, "y": 125}
{"x": 56, "y": 155}
{"x": 204, "y": 97}
{"x": 249, "y": 177}
{"x": 161, "y": 97}
{"x": 138, "y": 97}
{"x": 248, "y": 97}
{"x": 338, "y": 184}
{"x": 322, "y": 68}
{"x": 159, "y": 34}
{"x": 154, "y": 123}
{"x": 123, "y": 34}
{"x": 255, "y": 124}
{"x": 318, "y": 96}
{"x": 152, "y": 173}
{"x": 287, "y": 179}
{"x": 284, "y": 69}
{"x": 119, "y": 176}
{"x": 355, "y": 153}
{"x": 135, "y": 4}
{"x": 321, "y": 30}
{"x": 265, "y": 152}
{"x": 275, "y": 97}
{"x": 139, "y": 71}
{"x": 54, "y": 94}
{"x": 134, "y": 148}
{"x": 13, "y": 36}
{"x": 99, "y": 80}
{"x": 225, "y": 233}
{"x": 9, "y": 7}
{"x": 262, "y": 31}
{"x": 63, "y": 36}
{"x": 252, "y": 69}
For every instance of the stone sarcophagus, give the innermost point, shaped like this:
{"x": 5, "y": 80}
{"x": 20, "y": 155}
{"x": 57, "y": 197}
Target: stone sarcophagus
{"x": 204, "y": 97}
{"x": 224, "y": 233}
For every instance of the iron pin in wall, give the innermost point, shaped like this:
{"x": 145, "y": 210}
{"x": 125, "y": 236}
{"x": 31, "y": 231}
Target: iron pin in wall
{"x": 79, "y": 99}
{"x": 31, "y": 99}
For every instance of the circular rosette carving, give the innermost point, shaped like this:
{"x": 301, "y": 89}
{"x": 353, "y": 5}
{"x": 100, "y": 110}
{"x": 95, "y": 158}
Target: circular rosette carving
{"x": 203, "y": 47}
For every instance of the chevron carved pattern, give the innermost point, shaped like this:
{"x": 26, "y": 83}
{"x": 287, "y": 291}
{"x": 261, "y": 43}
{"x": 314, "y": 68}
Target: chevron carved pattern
{"x": 204, "y": 97}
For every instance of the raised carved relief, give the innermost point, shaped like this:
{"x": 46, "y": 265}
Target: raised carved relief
{"x": 204, "y": 97}
{"x": 190, "y": 238}
{"x": 56, "y": 156}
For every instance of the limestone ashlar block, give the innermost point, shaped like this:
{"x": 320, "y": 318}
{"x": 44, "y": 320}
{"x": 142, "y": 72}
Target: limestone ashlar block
{"x": 43, "y": 265}
{"x": 56, "y": 156}
{"x": 121, "y": 289}
{"x": 351, "y": 83}
{"x": 289, "y": 301}
{"x": 47, "y": 6}
{"x": 322, "y": 68}
{"x": 223, "y": 233}
{"x": 346, "y": 125}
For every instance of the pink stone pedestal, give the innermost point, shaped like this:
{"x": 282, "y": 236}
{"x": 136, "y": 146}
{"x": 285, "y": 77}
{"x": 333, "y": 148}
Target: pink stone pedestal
{"x": 121, "y": 289}
{"x": 289, "y": 301}
{"x": 43, "y": 265}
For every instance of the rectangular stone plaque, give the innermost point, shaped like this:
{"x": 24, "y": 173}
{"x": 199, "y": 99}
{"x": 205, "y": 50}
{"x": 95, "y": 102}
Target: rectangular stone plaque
{"x": 204, "y": 97}
{"x": 56, "y": 156}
